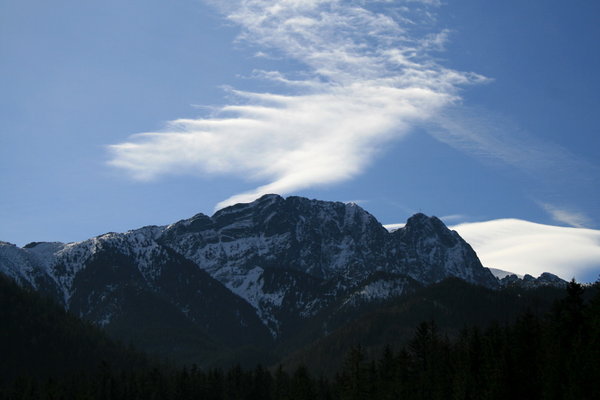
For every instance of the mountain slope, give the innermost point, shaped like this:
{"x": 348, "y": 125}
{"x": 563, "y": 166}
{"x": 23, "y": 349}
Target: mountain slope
{"x": 143, "y": 292}
{"x": 39, "y": 339}
{"x": 452, "y": 304}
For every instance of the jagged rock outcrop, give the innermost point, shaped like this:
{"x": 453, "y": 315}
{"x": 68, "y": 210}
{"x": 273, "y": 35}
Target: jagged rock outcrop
{"x": 528, "y": 281}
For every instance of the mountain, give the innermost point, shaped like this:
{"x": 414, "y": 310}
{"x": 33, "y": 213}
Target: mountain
{"x": 528, "y": 281}
{"x": 138, "y": 291}
{"x": 265, "y": 250}
{"x": 250, "y": 277}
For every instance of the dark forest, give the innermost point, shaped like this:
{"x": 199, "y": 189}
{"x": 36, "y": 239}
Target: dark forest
{"x": 550, "y": 356}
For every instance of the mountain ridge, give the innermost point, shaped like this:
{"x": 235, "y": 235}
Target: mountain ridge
{"x": 248, "y": 275}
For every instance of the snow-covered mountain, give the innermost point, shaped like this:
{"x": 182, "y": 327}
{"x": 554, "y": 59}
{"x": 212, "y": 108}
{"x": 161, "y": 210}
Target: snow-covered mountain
{"x": 265, "y": 251}
{"x": 248, "y": 273}
{"x": 129, "y": 283}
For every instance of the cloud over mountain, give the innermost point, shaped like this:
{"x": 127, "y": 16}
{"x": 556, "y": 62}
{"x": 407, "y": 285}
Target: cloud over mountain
{"x": 525, "y": 247}
{"x": 368, "y": 78}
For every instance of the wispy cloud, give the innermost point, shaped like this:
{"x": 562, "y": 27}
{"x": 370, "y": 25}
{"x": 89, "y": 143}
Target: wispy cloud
{"x": 574, "y": 219}
{"x": 552, "y": 171}
{"x": 368, "y": 79}
{"x": 494, "y": 137}
{"x": 528, "y": 248}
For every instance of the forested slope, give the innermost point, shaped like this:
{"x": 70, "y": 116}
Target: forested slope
{"x": 550, "y": 356}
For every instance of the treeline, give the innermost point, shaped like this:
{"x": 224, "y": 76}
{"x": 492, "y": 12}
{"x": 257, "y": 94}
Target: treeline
{"x": 551, "y": 357}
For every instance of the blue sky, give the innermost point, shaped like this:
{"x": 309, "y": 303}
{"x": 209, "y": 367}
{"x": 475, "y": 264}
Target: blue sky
{"x": 466, "y": 110}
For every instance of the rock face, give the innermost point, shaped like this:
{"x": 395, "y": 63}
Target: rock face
{"x": 251, "y": 271}
{"x": 426, "y": 250}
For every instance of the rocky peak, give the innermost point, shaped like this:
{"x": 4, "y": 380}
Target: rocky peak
{"x": 528, "y": 281}
{"x": 430, "y": 252}
{"x": 421, "y": 227}
{"x": 198, "y": 223}
{"x": 547, "y": 277}
{"x": 244, "y": 211}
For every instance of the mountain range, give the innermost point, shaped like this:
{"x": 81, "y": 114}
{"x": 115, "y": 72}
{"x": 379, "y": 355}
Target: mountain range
{"x": 277, "y": 273}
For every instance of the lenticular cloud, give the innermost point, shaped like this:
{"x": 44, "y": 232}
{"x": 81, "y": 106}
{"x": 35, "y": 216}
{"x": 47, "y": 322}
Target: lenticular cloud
{"x": 367, "y": 79}
{"x": 525, "y": 247}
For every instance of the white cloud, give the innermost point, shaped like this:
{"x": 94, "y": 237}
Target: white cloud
{"x": 393, "y": 227}
{"x": 529, "y": 248}
{"x": 368, "y": 80}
